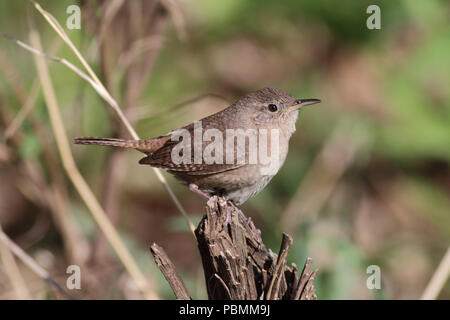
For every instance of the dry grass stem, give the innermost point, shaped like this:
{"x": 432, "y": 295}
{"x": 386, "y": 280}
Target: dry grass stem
{"x": 177, "y": 17}
{"x": 76, "y": 178}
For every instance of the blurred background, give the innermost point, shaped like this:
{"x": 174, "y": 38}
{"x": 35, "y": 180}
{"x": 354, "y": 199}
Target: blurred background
{"x": 366, "y": 181}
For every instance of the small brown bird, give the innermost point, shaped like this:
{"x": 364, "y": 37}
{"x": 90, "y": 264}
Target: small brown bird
{"x": 233, "y": 153}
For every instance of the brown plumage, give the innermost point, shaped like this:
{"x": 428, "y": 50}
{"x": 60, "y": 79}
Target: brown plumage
{"x": 267, "y": 109}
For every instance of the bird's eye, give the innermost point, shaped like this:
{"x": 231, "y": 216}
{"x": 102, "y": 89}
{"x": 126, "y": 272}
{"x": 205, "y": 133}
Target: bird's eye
{"x": 273, "y": 107}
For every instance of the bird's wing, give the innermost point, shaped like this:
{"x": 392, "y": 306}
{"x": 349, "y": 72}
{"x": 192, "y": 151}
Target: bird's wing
{"x": 162, "y": 158}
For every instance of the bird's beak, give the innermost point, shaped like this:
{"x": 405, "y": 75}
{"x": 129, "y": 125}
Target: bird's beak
{"x": 306, "y": 102}
{"x": 300, "y": 103}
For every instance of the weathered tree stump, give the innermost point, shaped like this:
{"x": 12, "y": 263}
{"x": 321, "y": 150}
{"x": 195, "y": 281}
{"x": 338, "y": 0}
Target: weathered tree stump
{"x": 236, "y": 264}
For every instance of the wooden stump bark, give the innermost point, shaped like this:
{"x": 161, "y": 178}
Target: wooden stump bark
{"x": 236, "y": 263}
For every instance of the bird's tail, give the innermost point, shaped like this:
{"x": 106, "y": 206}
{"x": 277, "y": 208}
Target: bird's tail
{"x": 141, "y": 145}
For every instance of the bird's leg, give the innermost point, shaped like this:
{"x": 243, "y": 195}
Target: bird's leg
{"x": 195, "y": 188}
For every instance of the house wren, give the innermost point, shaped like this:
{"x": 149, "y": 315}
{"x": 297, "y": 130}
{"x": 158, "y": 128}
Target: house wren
{"x": 233, "y": 153}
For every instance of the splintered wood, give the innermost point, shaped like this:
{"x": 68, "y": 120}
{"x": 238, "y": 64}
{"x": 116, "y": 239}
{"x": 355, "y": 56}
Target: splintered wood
{"x": 237, "y": 265}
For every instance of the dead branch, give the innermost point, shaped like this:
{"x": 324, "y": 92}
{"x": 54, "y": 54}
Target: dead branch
{"x": 168, "y": 270}
{"x": 238, "y": 266}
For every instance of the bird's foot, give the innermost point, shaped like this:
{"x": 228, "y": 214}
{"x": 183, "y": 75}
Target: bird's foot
{"x": 193, "y": 187}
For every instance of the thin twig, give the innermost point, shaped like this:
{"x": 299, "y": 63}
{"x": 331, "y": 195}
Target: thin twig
{"x": 33, "y": 265}
{"x": 236, "y": 263}
{"x": 168, "y": 270}
{"x": 439, "y": 278}
{"x": 171, "y": 109}
{"x": 101, "y": 90}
